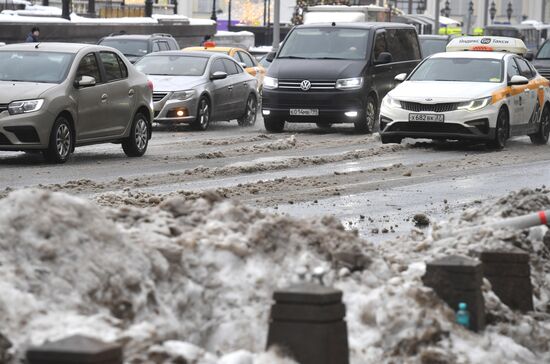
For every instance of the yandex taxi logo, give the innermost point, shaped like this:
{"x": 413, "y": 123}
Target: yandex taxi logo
{"x": 487, "y": 44}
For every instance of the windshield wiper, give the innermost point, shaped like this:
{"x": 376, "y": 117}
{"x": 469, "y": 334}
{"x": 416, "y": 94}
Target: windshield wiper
{"x": 294, "y": 57}
{"x": 162, "y": 74}
{"x": 330, "y": 58}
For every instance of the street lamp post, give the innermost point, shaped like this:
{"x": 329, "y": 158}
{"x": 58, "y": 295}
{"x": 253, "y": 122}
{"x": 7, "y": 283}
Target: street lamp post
{"x": 65, "y": 9}
{"x": 91, "y": 8}
{"x": 509, "y": 11}
{"x": 493, "y": 12}
{"x": 148, "y": 8}
{"x": 214, "y": 16}
{"x": 436, "y": 27}
{"x": 470, "y": 13}
{"x": 420, "y": 7}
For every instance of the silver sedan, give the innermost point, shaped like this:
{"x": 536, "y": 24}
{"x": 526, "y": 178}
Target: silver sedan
{"x": 200, "y": 87}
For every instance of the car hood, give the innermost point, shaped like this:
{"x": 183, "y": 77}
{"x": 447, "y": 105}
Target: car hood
{"x": 13, "y": 91}
{"x": 175, "y": 83}
{"x": 315, "y": 69}
{"x": 441, "y": 91}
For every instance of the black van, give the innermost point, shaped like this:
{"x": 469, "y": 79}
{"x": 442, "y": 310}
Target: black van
{"x": 337, "y": 73}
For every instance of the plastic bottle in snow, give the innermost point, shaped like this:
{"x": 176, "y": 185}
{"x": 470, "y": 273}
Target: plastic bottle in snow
{"x": 462, "y": 315}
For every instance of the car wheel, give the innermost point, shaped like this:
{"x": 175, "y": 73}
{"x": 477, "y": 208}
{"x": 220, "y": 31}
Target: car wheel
{"x": 541, "y": 136}
{"x": 367, "y": 122}
{"x": 251, "y": 112}
{"x": 324, "y": 126}
{"x": 61, "y": 141}
{"x": 203, "y": 115}
{"x": 502, "y": 131}
{"x": 274, "y": 125}
{"x": 136, "y": 144}
{"x": 390, "y": 139}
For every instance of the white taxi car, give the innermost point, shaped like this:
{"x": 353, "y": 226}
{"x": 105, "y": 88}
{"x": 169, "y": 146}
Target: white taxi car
{"x": 480, "y": 89}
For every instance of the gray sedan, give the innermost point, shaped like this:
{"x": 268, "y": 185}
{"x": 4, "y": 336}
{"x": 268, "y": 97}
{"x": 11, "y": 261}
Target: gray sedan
{"x": 200, "y": 87}
{"x": 57, "y": 96}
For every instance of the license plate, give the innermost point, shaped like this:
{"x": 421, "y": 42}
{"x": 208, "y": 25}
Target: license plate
{"x": 427, "y": 117}
{"x": 304, "y": 112}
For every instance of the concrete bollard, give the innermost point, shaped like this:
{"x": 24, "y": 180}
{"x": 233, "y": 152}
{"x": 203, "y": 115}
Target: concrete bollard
{"x": 307, "y": 323}
{"x": 75, "y": 350}
{"x": 510, "y": 276}
{"x": 458, "y": 279}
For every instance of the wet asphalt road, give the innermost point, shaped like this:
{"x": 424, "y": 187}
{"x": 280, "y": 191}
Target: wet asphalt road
{"x": 301, "y": 172}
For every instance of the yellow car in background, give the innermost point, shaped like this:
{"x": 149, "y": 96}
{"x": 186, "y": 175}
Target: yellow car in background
{"x": 245, "y": 59}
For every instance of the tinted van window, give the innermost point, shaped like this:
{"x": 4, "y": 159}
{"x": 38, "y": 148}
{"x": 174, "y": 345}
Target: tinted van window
{"x": 326, "y": 43}
{"x": 402, "y": 44}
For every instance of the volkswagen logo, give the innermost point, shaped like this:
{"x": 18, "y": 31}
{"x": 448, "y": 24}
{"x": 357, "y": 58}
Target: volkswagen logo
{"x": 485, "y": 40}
{"x": 305, "y": 85}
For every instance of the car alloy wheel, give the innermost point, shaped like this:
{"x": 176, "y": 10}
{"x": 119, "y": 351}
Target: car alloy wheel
{"x": 63, "y": 140}
{"x": 542, "y": 135}
{"x": 502, "y": 130}
{"x": 251, "y": 112}
{"x": 371, "y": 115}
{"x": 141, "y": 134}
{"x": 204, "y": 114}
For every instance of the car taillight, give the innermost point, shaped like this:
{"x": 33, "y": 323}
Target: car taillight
{"x": 150, "y": 85}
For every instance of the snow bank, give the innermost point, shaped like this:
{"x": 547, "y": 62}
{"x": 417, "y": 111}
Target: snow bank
{"x": 191, "y": 281}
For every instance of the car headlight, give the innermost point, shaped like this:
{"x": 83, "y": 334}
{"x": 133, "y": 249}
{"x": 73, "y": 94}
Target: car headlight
{"x": 391, "y": 102}
{"x": 25, "y": 106}
{"x": 271, "y": 83}
{"x": 475, "y": 105}
{"x": 349, "y": 83}
{"x": 182, "y": 95}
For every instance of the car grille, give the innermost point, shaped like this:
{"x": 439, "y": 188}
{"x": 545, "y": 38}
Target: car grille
{"x": 428, "y": 127}
{"x": 544, "y": 72}
{"x": 315, "y": 85}
{"x": 3, "y": 107}
{"x": 418, "y": 107}
{"x": 158, "y": 96}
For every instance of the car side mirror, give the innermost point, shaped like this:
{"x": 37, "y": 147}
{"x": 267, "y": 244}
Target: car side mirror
{"x": 219, "y": 75}
{"x": 400, "y": 77}
{"x": 518, "y": 81}
{"x": 85, "y": 81}
{"x": 243, "y": 65}
{"x": 529, "y": 56}
{"x": 384, "y": 57}
{"x": 270, "y": 56}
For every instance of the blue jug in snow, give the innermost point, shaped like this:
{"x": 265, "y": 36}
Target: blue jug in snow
{"x": 462, "y": 315}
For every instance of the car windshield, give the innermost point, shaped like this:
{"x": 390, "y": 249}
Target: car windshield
{"x": 34, "y": 66}
{"x": 172, "y": 65}
{"x": 432, "y": 46}
{"x": 128, "y": 47}
{"x": 326, "y": 43}
{"x": 460, "y": 70}
{"x": 544, "y": 52}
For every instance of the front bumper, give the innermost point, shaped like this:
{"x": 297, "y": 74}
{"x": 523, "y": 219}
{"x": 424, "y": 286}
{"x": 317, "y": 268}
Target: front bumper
{"x": 166, "y": 110}
{"x": 331, "y": 104}
{"x": 457, "y": 124}
{"x": 25, "y": 131}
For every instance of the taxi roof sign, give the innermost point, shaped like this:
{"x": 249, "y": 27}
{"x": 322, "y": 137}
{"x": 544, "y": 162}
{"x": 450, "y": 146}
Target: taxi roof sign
{"x": 487, "y": 44}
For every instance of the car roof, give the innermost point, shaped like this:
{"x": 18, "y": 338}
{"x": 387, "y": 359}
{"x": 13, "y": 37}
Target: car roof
{"x": 362, "y": 25}
{"x": 137, "y": 36}
{"x": 50, "y": 47}
{"x": 472, "y": 54}
{"x": 433, "y": 36}
{"x": 198, "y": 54}
{"x": 212, "y": 49}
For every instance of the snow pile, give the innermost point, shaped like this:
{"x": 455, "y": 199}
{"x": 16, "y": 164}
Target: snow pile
{"x": 191, "y": 280}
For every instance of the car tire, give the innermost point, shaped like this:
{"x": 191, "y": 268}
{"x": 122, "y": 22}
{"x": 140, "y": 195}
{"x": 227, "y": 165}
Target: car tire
{"x": 204, "y": 112}
{"x": 367, "y": 123}
{"x": 541, "y": 136}
{"x": 502, "y": 131}
{"x": 138, "y": 140}
{"x": 61, "y": 142}
{"x": 274, "y": 125}
{"x": 390, "y": 139}
{"x": 251, "y": 112}
{"x": 324, "y": 126}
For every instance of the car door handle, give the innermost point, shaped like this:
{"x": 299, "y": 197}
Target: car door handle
{"x": 131, "y": 92}
{"x": 104, "y": 97}
{"x": 230, "y": 88}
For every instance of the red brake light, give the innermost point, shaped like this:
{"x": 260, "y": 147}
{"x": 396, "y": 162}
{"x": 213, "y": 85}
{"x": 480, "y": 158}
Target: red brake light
{"x": 209, "y": 44}
{"x": 150, "y": 85}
